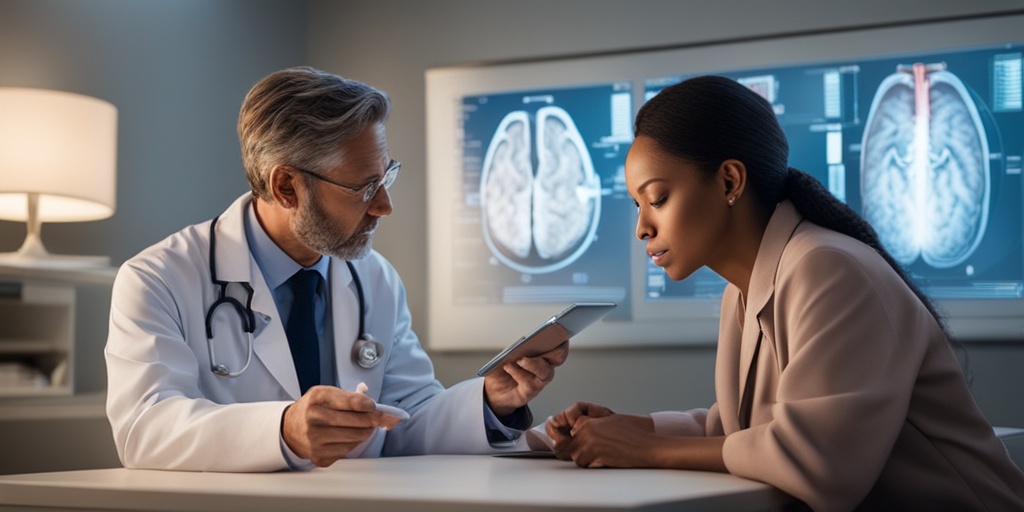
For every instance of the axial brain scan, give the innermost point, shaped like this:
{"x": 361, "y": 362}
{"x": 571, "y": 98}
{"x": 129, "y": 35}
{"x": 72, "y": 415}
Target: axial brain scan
{"x": 508, "y": 188}
{"x": 544, "y": 212}
{"x": 925, "y": 167}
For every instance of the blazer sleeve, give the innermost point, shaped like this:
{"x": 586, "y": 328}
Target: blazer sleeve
{"x": 850, "y": 338}
{"x": 695, "y": 422}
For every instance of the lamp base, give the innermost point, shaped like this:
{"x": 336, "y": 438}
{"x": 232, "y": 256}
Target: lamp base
{"x": 32, "y": 254}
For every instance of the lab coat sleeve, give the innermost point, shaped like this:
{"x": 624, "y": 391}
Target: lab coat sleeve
{"x": 845, "y": 323}
{"x": 442, "y": 420}
{"x": 159, "y": 417}
{"x": 451, "y": 423}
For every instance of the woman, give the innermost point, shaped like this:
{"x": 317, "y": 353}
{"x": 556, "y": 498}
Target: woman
{"x": 835, "y": 380}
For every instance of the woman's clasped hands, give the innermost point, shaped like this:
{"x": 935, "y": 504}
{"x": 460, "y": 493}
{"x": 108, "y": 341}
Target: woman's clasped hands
{"x": 594, "y": 436}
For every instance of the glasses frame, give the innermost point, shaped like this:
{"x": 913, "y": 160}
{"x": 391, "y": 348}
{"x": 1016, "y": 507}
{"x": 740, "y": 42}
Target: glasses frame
{"x": 368, "y": 190}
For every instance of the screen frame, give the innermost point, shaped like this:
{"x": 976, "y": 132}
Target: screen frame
{"x": 669, "y": 323}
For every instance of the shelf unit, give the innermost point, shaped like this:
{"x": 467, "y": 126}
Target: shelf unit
{"x": 37, "y": 328}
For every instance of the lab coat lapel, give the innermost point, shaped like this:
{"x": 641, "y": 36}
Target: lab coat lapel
{"x": 271, "y": 343}
{"x": 236, "y": 264}
{"x": 762, "y": 284}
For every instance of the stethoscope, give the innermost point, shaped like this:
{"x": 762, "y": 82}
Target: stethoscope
{"x": 367, "y": 351}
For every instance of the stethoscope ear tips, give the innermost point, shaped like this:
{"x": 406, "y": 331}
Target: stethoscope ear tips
{"x": 367, "y": 351}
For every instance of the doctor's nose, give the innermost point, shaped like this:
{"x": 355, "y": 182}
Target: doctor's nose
{"x": 380, "y": 203}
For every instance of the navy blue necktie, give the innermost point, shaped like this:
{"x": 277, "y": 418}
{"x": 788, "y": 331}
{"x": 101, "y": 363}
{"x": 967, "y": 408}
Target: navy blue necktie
{"x": 301, "y": 328}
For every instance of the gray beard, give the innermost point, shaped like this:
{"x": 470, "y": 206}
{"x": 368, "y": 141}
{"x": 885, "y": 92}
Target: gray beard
{"x": 313, "y": 229}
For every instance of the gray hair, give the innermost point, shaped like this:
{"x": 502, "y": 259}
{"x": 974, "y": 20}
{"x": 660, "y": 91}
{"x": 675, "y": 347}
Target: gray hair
{"x": 300, "y": 116}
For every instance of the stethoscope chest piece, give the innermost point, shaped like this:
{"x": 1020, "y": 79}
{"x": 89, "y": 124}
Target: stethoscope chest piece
{"x": 367, "y": 351}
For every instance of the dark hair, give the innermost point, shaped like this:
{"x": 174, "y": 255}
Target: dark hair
{"x": 709, "y": 119}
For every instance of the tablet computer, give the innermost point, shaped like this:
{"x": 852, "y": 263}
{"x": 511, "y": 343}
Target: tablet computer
{"x": 548, "y": 335}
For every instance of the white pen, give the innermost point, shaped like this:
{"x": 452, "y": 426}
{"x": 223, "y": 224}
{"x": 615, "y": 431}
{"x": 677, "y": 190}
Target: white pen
{"x": 399, "y": 413}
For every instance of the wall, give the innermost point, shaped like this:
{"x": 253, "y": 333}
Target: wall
{"x": 390, "y": 43}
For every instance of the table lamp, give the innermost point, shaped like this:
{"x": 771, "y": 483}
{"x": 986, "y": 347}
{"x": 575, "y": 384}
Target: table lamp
{"x": 58, "y": 154}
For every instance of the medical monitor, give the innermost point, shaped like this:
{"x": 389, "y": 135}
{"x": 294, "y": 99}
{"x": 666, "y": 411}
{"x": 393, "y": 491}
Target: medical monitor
{"x": 919, "y": 128}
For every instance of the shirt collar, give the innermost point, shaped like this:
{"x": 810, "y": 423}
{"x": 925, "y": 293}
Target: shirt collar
{"x": 276, "y": 266}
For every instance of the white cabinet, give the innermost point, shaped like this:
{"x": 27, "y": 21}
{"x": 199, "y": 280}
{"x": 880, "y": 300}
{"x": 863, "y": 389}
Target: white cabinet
{"x": 37, "y": 328}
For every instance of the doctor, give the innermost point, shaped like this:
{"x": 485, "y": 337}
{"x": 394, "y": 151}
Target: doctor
{"x": 218, "y": 360}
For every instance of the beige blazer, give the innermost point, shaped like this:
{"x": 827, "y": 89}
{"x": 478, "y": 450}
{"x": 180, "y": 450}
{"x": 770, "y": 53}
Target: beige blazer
{"x": 858, "y": 400}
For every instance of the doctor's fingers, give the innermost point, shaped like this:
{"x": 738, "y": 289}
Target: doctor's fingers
{"x": 537, "y": 368}
{"x": 327, "y": 417}
{"x": 324, "y": 455}
{"x": 338, "y": 399}
{"x": 557, "y": 355}
{"x": 327, "y": 437}
{"x": 527, "y": 385}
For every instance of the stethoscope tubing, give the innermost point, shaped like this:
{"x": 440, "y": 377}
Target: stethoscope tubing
{"x": 366, "y": 353}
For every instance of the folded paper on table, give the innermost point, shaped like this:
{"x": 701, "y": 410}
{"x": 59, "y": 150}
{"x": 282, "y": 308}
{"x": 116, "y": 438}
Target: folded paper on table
{"x": 537, "y": 439}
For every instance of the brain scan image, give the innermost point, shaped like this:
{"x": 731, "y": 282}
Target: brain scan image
{"x": 538, "y": 217}
{"x": 565, "y": 191}
{"x": 508, "y": 185}
{"x": 925, "y": 179}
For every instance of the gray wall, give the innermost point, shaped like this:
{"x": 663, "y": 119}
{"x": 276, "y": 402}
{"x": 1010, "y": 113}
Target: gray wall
{"x": 178, "y": 69}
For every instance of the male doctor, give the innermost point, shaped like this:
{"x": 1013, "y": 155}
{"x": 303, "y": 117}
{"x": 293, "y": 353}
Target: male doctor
{"x": 218, "y": 359}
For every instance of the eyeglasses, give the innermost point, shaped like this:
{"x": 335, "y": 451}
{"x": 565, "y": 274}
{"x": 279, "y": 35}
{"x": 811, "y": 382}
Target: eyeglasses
{"x": 366, "y": 191}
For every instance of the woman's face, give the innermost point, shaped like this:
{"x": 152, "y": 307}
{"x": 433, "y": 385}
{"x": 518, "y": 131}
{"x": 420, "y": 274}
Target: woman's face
{"x": 681, "y": 214}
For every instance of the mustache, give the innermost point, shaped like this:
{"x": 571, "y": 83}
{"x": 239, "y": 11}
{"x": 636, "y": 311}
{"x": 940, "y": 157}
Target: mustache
{"x": 369, "y": 229}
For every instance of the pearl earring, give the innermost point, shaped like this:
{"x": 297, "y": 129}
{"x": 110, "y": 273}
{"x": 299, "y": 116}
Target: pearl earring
{"x": 732, "y": 200}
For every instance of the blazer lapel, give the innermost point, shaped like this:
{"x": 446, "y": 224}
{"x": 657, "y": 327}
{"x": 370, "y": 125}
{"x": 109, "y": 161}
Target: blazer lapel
{"x": 762, "y": 287}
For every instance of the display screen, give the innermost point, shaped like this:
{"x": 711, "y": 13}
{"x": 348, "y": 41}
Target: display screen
{"x": 544, "y": 213}
{"x": 927, "y": 147}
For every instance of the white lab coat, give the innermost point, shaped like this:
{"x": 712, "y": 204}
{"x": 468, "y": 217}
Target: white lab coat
{"x": 169, "y": 411}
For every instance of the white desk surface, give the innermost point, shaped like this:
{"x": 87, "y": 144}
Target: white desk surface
{"x": 425, "y": 483}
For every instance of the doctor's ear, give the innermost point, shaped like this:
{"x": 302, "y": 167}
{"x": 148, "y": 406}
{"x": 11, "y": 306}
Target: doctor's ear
{"x": 282, "y": 186}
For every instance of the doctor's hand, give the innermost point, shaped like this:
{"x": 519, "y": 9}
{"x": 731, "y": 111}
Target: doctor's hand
{"x": 517, "y": 382}
{"x": 326, "y": 423}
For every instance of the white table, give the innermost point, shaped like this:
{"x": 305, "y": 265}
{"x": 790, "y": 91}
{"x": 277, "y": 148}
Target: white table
{"x": 427, "y": 483}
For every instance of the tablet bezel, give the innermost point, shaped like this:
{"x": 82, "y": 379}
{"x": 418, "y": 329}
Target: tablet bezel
{"x": 572, "y": 320}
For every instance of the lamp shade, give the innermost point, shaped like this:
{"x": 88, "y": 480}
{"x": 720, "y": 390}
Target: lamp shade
{"x": 59, "y": 148}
